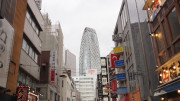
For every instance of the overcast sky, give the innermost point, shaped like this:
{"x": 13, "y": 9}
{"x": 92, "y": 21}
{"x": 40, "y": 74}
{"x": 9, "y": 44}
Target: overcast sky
{"x": 75, "y": 15}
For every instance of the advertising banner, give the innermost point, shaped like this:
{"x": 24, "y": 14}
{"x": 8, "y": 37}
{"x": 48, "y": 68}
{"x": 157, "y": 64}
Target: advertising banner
{"x": 118, "y": 50}
{"x": 119, "y": 63}
{"x": 114, "y": 57}
{"x": 6, "y": 43}
{"x": 114, "y": 85}
{"x": 103, "y": 71}
{"x": 121, "y": 76}
{"x": 22, "y": 93}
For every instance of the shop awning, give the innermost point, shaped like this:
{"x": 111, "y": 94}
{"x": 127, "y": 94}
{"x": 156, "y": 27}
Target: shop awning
{"x": 168, "y": 89}
{"x": 169, "y": 62}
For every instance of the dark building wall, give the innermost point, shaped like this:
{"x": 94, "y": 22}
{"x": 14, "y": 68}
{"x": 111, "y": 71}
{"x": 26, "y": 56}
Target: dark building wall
{"x": 44, "y": 60}
{"x": 18, "y": 24}
{"x": 7, "y": 9}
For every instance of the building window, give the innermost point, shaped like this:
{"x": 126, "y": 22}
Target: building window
{"x": 177, "y": 46}
{"x": 174, "y": 23}
{"x": 28, "y": 48}
{"x": 123, "y": 17}
{"x": 159, "y": 39}
{"x": 166, "y": 33}
{"x": 32, "y": 21}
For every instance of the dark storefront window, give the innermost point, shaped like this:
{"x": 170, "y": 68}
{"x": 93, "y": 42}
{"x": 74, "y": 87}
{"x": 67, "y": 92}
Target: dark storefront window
{"x": 177, "y": 46}
{"x": 174, "y": 23}
{"x": 159, "y": 38}
{"x": 166, "y": 33}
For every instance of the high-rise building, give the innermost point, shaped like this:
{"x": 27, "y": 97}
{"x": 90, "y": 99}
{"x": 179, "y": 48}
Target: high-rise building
{"x": 70, "y": 62}
{"x": 132, "y": 35}
{"x": 89, "y": 52}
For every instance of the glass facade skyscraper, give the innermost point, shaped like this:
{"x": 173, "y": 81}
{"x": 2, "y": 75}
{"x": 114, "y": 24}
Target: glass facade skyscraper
{"x": 89, "y": 52}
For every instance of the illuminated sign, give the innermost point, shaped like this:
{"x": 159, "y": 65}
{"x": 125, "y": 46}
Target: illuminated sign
{"x": 22, "y": 93}
{"x": 103, "y": 71}
{"x": 104, "y": 81}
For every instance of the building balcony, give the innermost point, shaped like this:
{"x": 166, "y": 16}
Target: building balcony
{"x": 122, "y": 90}
{"x": 117, "y": 38}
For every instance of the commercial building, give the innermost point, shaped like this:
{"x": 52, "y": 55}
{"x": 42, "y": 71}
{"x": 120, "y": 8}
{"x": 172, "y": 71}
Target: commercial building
{"x": 164, "y": 21}
{"x": 26, "y": 20}
{"x": 50, "y": 61}
{"x": 29, "y": 71}
{"x": 89, "y": 52}
{"x": 70, "y": 62}
{"x": 131, "y": 35}
{"x": 86, "y": 85}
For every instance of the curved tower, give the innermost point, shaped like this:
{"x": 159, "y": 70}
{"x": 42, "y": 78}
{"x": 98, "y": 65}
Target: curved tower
{"x": 89, "y": 52}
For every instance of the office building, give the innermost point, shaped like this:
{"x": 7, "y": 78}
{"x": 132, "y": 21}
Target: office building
{"x": 89, "y": 52}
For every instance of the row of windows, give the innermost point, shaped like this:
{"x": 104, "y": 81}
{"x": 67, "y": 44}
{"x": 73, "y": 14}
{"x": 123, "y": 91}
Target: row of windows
{"x": 123, "y": 17}
{"x": 27, "y": 47}
{"x": 32, "y": 22}
{"x": 167, "y": 36}
{"x": 26, "y": 80}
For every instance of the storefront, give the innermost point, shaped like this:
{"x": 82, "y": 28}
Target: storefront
{"x": 26, "y": 90}
{"x": 164, "y": 20}
{"x": 169, "y": 80}
{"x": 24, "y": 94}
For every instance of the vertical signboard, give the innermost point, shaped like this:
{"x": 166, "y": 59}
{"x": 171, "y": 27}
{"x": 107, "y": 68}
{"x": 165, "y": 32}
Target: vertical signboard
{"x": 104, "y": 81}
{"x": 103, "y": 62}
{"x": 53, "y": 66}
{"x": 52, "y": 76}
{"x": 104, "y": 92}
{"x": 6, "y": 42}
{"x": 103, "y": 71}
{"x": 22, "y": 93}
{"x": 114, "y": 57}
{"x": 114, "y": 85}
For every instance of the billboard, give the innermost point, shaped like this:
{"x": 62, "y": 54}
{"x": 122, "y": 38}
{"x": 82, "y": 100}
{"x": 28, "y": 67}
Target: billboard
{"x": 6, "y": 43}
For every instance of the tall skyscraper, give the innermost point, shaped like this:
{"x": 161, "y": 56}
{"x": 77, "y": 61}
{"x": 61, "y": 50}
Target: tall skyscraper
{"x": 89, "y": 52}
